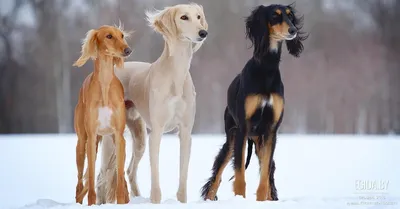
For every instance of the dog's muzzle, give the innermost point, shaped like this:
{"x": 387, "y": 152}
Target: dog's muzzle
{"x": 291, "y": 37}
{"x": 203, "y": 34}
{"x": 292, "y": 33}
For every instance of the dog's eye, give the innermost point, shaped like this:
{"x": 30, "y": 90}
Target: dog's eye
{"x": 109, "y": 36}
{"x": 122, "y": 35}
{"x": 198, "y": 17}
{"x": 184, "y": 17}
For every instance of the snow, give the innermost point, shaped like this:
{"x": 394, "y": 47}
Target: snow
{"x": 312, "y": 171}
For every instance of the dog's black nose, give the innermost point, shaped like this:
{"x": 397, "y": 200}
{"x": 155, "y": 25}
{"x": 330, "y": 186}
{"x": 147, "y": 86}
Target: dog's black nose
{"x": 203, "y": 33}
{"x": 127, "y": 51}
{"x": 292, "y": 30}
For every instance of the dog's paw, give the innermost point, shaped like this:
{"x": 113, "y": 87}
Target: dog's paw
{"x": 155, "y": 196}
{"x": 181, "y": 196}
{"x": 215, "y": 198}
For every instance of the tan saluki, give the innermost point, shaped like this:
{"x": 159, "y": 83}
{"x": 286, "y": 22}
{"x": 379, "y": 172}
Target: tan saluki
{"x": 100, "y": 110}
{"x": 163, "y": 95}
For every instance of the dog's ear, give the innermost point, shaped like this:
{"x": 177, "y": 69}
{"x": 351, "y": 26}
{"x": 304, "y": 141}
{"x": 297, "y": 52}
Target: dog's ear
{"x": 295, "y": 46}
{"x": 257, "y": 31}
{"x": 203, "y": 20}
{"x": 163, "y": 21}
{"x": 203, "y": 23}
{"x": 119, "y": 62}
{"x": 89, "y": 48}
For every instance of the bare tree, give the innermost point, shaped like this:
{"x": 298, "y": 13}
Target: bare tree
{"x": 9, "y": 68}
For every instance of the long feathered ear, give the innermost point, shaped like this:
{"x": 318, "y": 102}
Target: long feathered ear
{"x": 163, "y": 21}
{"x": 257, "y": 31}
{"x": 89, "y": 48}
{"x": 295, "y": 46}
{"x": 203, "y": 23}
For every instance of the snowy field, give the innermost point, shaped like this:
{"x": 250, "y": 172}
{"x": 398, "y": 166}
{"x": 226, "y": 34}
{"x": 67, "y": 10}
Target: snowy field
{"x": 312, "y": 172}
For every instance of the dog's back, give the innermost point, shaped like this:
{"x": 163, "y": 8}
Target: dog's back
{"x": 129, "y": 71}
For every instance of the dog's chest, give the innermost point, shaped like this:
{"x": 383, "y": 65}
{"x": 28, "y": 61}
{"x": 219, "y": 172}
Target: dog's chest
{"x": 104, "y": 120}
{"x": 255, "y": 121}
{"x": 176, "y": 105}
{"x": 176, "y": 108}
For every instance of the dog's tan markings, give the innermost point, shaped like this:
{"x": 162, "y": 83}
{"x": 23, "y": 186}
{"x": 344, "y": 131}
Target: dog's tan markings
{"x": 215, "y": 185}
{"x": 239, "y": 185}
{"x": 264, "y": 156}
{"x": 280, "y": 29}
{"x": 278, "y": 11}
{"x": 277, "y": 106}
{"x": 287, "y": 11}
{"x": 251, "y": 104}
{"x": 264, "y": 152}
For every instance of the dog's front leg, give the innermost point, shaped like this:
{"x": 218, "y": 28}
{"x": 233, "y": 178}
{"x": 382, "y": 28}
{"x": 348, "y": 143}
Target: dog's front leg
{"x": 154, "y": 150}
{"x": 122, "y": 191}
{"x": 265, "y": 190}
{"x": 91, "y": 156}
{"x": 185, "y": 130}
{"x": 185, "y": 146}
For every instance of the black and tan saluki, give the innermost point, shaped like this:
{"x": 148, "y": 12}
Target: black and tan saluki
{"x": 256, "y": 101}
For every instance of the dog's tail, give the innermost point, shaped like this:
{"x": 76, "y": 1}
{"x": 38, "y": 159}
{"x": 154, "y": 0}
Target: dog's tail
{"x": 85, "y": 187}
{"x": 209, "y": 189}
{"x": 249, "y": 154}
{"x": 106, "y": 184}
{"x": 106, "y": 180}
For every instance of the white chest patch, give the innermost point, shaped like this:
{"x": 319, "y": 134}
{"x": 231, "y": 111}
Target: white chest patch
{"x": 104, "y": 117}
{"x": 265, "y": 102}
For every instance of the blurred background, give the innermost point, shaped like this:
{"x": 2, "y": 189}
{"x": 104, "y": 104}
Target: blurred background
{"x": 345, "y": 82}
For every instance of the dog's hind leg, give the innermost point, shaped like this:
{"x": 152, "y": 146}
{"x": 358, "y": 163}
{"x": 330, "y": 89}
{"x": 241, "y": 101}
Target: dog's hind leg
{"x": 210, "y": 188}
{"x": 137, "y": 128}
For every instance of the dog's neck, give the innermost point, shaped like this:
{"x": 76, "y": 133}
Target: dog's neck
{"x": 275, "y": 46}
{"x": 104, "y": 73}
{"x": 273, "y": 54}
{"x": 178, "y": 54}
{"x": 176, "y": 59}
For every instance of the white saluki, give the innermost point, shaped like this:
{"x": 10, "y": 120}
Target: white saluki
{"x": 163, "y": 95}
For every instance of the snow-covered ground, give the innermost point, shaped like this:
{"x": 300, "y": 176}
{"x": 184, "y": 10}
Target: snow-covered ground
{"x": 313, "y": 172}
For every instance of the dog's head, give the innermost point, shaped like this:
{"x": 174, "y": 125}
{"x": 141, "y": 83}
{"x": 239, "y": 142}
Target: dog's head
{"x": 106, "y": 40}
{"x": 267, "y": 26}
{"x": 185, "y": 22}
